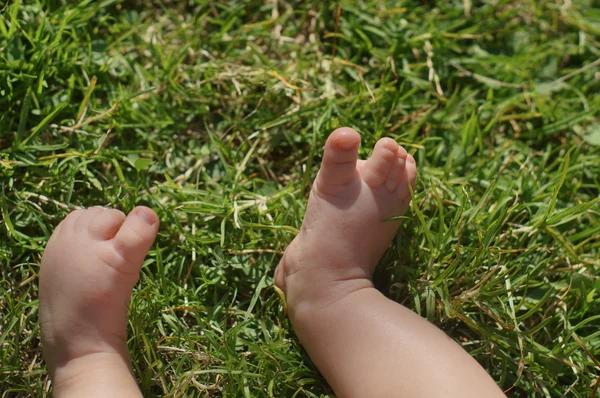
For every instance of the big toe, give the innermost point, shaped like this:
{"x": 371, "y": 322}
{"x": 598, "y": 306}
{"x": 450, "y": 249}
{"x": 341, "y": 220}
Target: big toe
{"x": 339, "y": 159}
{"x": 134, "y": 238}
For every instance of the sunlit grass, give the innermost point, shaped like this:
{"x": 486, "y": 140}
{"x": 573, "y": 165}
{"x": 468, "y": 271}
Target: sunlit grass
{"x": 215, "y": 113}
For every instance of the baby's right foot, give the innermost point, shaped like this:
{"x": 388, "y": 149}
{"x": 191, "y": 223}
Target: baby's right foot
{"x": 88, "y": 270}
{"x": 344, "y": 234}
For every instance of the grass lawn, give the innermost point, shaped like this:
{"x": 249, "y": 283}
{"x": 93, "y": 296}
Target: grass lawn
{"x": 214, "y": 113}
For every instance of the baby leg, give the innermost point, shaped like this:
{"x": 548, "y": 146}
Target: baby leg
{"x": 364, "y": 344}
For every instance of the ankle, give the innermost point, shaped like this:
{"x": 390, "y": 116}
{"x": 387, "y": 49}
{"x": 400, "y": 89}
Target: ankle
{"x": 97, "y": 374}
{"x": 311, "y": 290}
{"x": 312, "y": 319}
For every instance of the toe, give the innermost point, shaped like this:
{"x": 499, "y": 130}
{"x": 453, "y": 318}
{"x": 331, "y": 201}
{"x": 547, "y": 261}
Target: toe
{"x": 339, "y": 158}
{"x": 411, "y": 171}
{"x": 377, "y": 168}
{"x": 85, "y": 218}
{"x": 105, "y": 224}
{"x": 278, "y": 277}
{"x": 55, "y": 234}
{"x": 135, "y": 237}
{"x": 397, "y": 172}
{"x": 409, "y": 176}
{"x": 71, "y": 219}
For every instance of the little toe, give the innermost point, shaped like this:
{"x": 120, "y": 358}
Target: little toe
{"x": 135, "y": 237}
{"x": 377, "y": 168}
{"x": 411, "y": 171}
{"x": 278, "y": 277}
{"x": 105, "y": 224}
{"x": 339, "y": 158}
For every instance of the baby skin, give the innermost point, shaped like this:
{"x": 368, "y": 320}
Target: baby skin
{"x": 89, "y": 268}
{"x": 364, "y": 344}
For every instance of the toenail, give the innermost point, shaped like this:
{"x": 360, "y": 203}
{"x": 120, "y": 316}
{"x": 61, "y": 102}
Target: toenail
{"x": 346, "y": 144}
{"x": 401, "y": 162}
{"x": 345, "y": 138}
{"x": 146, "y": 215}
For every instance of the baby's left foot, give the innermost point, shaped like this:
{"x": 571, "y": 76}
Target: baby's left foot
{"x": 88, "y": 271}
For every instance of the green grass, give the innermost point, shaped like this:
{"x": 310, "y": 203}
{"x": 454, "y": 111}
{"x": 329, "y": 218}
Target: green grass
{"x": 215, "y": 113}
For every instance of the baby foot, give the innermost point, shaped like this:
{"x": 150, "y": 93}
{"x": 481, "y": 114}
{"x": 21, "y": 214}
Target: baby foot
{"x": 344, "y": 234}
{"x": 88, "y": 270}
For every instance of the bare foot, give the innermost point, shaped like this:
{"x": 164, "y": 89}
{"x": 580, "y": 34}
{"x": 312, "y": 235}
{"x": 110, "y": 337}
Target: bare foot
{"x": 359, "y": 340}
{"x": 344, "y": 234}
{"x": 88, "y": 271}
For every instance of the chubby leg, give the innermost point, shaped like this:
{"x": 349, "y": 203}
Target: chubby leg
{"x": 364, "y": 344}
{"x": 88, "y": 271}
